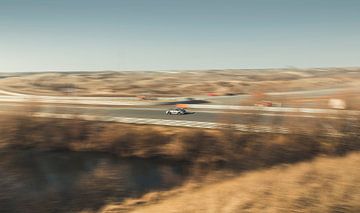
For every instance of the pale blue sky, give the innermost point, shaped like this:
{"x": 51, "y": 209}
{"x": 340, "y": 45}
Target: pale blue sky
{"x": 65, "y": 35}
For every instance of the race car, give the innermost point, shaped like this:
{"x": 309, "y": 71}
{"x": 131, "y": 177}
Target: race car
{"x": 176, "y": 111}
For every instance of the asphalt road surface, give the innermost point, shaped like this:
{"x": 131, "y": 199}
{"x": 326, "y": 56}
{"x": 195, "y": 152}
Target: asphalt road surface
{"x": 281, "y": 119}
{"x": 277, "y": 119}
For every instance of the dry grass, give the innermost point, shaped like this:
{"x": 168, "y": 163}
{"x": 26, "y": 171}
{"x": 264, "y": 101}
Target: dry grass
{"x": 213, "y": 150}
{"x": 180, "y": 83}
{"x": 203, "y": 148}
{"x": 324, "y": 185}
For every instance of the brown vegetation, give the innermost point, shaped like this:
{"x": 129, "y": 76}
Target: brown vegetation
{"x": 180, "y": 83}
{"x": 203, "y": 148}
{"x": 324, "y": 185}
{"x": 225, "y": 151}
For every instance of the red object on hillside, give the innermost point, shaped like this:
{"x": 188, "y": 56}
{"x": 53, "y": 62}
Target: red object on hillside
{"x": 264, "y": 104}
{"x": 182, "y": 106}
{"x": 142, "y": 97}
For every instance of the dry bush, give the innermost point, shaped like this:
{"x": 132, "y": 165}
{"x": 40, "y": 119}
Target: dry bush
{"x": 203, "y": 148}
{"x": 23, "y": 131}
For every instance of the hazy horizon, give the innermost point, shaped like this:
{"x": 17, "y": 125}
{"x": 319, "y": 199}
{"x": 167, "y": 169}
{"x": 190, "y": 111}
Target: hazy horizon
{"x": 161, "y": 35}
{"x": 183, "y": 70}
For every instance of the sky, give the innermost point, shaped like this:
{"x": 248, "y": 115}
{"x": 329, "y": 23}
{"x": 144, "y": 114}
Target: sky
{"x": 89, "y": 35}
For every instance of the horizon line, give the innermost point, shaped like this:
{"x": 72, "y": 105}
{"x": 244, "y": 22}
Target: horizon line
{"x": 179, "y": 70}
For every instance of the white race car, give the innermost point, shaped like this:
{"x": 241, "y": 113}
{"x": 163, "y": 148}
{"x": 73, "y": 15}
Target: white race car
{"x": 177, "y": 111}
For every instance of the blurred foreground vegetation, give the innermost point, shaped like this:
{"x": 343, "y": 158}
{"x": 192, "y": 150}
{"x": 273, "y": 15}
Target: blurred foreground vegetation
{"x": 323, "y": 185}
{"x": 327, "y": 185}
{"x": 202, "y": 148}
